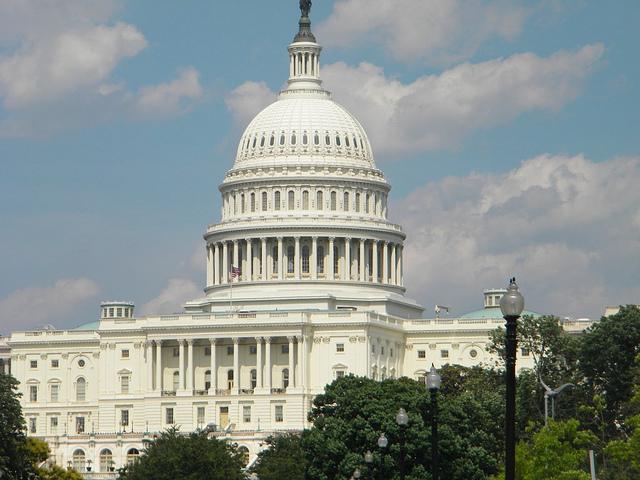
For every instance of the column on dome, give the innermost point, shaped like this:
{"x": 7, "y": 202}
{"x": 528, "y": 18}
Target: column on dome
{"x": 216, "y": 264}
{"x": 236, "y": 365}
{"x": 267, "y": 361}
{"x": 313, "y": 261}
{"x": 280, "y": 258}
{"x": 225, "y": 263}
{"x": 385, "y": 262}
{"x": 264, "y": 258}
{"x": 330, "y": 270}
{"x": 292, "y": 363}
{"x": 209, "y": 266}
{"x": 400, "y": 267}
{"x": 180, "y": 364}
{"x": 214, "y": 367}
{"x": 361, "y": 260}
{"x": 249, "y": 275}
{"x": 236, "y": 260}
{"x": 394, "y": 249}
{"x": 347, "y": 259}
{"x": 190, "y": 365}
{"x": 148, "y": 350}
{"x": 259, "y": 366}
{"x": 374, "y": 260}
{"x": 158, "y": 365}
{"x": 291, "y": 72}
{"x": 296, "y": 258}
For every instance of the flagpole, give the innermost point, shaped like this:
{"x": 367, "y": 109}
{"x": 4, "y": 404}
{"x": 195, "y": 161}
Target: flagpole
{"x": 231, "y": 294}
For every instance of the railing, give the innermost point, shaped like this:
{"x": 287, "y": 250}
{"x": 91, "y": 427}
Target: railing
{"x": 222, "y": 391}
{"x": 278, "y": 390}
{"x": 168, "y": 393}
{"x": 200, "y": 393}
{"x": 246, "y": 391}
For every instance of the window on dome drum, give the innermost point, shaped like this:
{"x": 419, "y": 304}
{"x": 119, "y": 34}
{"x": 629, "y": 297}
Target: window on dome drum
{"x": 361, "y": 144}
{"x": 81, "y": 389}
{"x": 176, "y": 381}
{"x": 55, "y": 392}
{"x": 292, "y": 199}
{"x": 345, "y": 201}
{"x": 355, "y": 143}
{"x": 305, "y": 259}
{"x": 276, "y": 200}
{"x": 366, "y": 203}
{"x": 316, "y": 139}
{"x": 246, "y": 414}
{"x": 168, "y": 415}
{"x": 305, "y": 139}
{"x": 282, "y": 139}
{"x": 327, "y": 140}
{"x": 33, "y": 393}
{"x": 255, "y": 139}
{"x": 319, "y": 200}
{"x": 242, "y": 203}
{"x": 334, "y": 200}
{"x": 264, "y": 201}
{"x": 346, "y": 141}
{"x": 305, "y": 200}
{"x": 253, "y": 202}
{"x": 272, "y": 140}
{"x": 290, "y": 259}
{"x": 293, "y": 139}
{"x": 274, "y": 259}
{"x": 336, "y": 259}
{"x": 253, "y": 378}
{"x": 262, "y": 142}
{"x": 422, "y": 354}
{"x": 285, "y": 377}
{"x": 279, "y": 413}
{"x": 444, "y": 353}
{"x": 320, "y": 259}
{"x": 357, "y": 202}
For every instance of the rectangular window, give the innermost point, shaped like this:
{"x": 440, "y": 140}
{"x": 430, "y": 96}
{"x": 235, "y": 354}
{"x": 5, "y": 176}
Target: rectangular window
{"x": 33, "y": 393}
{"x": 253, "y": 349}
{"x": 168, "y": 416}
{"x": 246, "y": 413}
{"x": 33, "y": 363}
{"x": 200, "y": 415}
{"x": 53, "y": 425}
{"x": 207, "y": 351}
{"x": 33, "y": 424}
{"x": 124, "y": 418}
{"x": 55, "y": 363}
{"x": 125, "y": 353}
{"x": 79, "y": 424}
{"x": 119, "y": 312}
{"x": 279, "y": 413}
{"x": 230, "y": 350}
{"x": 340, "y": 347}
{"x": 111, "y": 312}
{"x": 525, "y": 352}
{"x": 340, "y": 373}
{"x": 422, "y": 354}
{"x": 55, "y": 391}
{"x": 285, "y": 349}
{"x": 124, "y": 384}
{"x": 444, "y": 353}
{"x": 176, "y": 352}
{"x": 373, "y": 349}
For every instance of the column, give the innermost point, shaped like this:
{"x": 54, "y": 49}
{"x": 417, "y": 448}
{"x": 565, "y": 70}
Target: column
{"x": 394, "y": 248}
{"x": 158, "y": 365}
{"x": 214, "y": 367}
{"x": 225, "y": 262}
{"x": 313, "y": 263}
{"x": 292, "y": 363}
{"x": 235, "y": 256}
{"x": 264, "y": 258}
{"x": 267, "y": 361}
{"x": 249, "y": 275}
{"x": 330, "y": 271}
{"x": 209, "y": 266}
{"x": 236, "y": 366}
{"x": 385, "y": 262}
{"x": 280, "y": 257}
{"x": 400, "y": 267}
{"x": 296, "y": 258}
{"x": 374, "y": 259}
{"x": 347, "y": 259}
{"x": 149, "y": 354}
{"x": 259, "y": 366}
{"x": 216, "y": 264}
{"x": 190, "y": 365}
{"x": 300, "y": 362}
{"x": 361, "y": 262}
{"x": 181, "y": 364}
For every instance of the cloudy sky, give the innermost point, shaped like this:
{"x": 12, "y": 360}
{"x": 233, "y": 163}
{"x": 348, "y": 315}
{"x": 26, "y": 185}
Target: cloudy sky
{"x": 508, "y": 130}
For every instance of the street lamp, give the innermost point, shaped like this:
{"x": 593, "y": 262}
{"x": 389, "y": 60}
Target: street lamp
{"x": 356, "y": 473}
{"x": 402, "y": 419}
{"x": 368, "y": 459}
{"x": 511, "y": 305}
{"x": 433, "y": 384}
{"x": 383, "y": 441}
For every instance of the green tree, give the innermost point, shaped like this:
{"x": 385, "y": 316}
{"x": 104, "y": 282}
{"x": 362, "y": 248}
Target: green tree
{"x": 14, "y": 459}
{"x": 283, "y": 459}
{"x": 186, "y": 457}
{"x": 38, "y": 452}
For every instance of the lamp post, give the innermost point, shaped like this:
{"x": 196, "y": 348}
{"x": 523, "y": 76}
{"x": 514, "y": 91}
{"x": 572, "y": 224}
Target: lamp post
{"x": 368, "y": 459}
{"x": 433, "y": 384}
{"x": 511, "y": 305}
{"x": 402, "y": 419}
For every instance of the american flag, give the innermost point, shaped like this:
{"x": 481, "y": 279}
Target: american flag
{"x": 235, "y": 271}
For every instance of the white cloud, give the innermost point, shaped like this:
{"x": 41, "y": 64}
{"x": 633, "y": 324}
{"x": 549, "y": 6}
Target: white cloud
{"x": 563, "y": 225}
{"x": 246, "y": 100}
{"x": 170, "y": 98}
{"x": 172, "y": 297}
{"x": 432, "y": 31}
{"x": 438, "y": 111}
{"x": 34, "y": 306}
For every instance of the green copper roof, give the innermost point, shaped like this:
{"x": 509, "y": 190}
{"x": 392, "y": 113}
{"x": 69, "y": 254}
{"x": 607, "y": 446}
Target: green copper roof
{"x": 88, "y": 326}
{"x": 494, "y": 312}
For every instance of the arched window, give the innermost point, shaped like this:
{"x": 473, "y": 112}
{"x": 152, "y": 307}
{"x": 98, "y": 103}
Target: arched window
{"x": 305, "y": 139}
{"x": 336, "y": 259}
{"x": 253, "y": 202}
{"x": 361, "y": 144}
{"x": 276, "y": 200}
{"x": 255, "y": 139}
{"x": 274, "y": 259}
{"x": 334, "y": 200}
{"x": 357, "y": 202}
{"x": 285, "y": 377}
{"x": 290, "y": 259}
{"x": 207, "y": 379}
{"x": 132, "y": 455}
{"x": 366, "y": 203}
{"x": 316, "y": 139}
{"x": 176, "y": 381}
{"x": 346, "y": 201}
{"x": 320, "y": 259}
{"x": 338, "y": 140}
{"x": 262, "y": 141}
{"x": 253, "y": 377}
{"x": 293, "y": 139}
{"x": 81, "y": 390}
{"x": 305, "y": 259}
{"x": 242, "y": 203}
{"x": 106, "y": 460}
{"x": 282, "y": 139}
{"x": 327, "y": 140}
{"x": 346, "y": 141}
{"x": 79, "y": 460}
{"x": 230, "y": 378}
{"x": 272, "y": 140}
{"x": 319, "y": 200}
{"x": 244, "y": 451}
{"x": 355, "y": 143}
{"x": 305, "y": 200}
{"x": 292, "y": 199}
{"x": 264, "y": 201}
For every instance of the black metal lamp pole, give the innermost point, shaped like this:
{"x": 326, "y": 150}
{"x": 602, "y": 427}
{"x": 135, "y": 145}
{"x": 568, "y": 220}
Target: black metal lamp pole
{"x": 512, "y": 305}
{"x": 433, "y": 384}
{"x": 402, "y": 419}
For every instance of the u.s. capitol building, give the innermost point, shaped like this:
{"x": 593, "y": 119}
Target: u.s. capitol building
{"x": 304, "y": 284}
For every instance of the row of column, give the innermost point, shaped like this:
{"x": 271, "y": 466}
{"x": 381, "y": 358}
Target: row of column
{"x": 186, "y": 375}
{"x": 267, "y": 258}
{"x": 304, "y": 63}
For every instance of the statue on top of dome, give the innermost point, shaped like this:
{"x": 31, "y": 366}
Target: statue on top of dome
{"x": 305, "y": 7}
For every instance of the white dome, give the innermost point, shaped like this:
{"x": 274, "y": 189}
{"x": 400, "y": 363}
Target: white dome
{"x": 304, "y": 127}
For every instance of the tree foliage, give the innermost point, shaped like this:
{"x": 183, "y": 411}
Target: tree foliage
{"x": 186, "y": 457}
{"x": 284, "y": 458}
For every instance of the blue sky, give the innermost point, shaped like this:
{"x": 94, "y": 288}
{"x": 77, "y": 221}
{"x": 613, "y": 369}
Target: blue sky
{"x": 509, "y": 132}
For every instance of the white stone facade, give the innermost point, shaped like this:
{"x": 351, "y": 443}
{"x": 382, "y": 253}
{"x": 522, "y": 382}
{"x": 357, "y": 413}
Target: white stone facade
{"x": 304, "y": 284}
